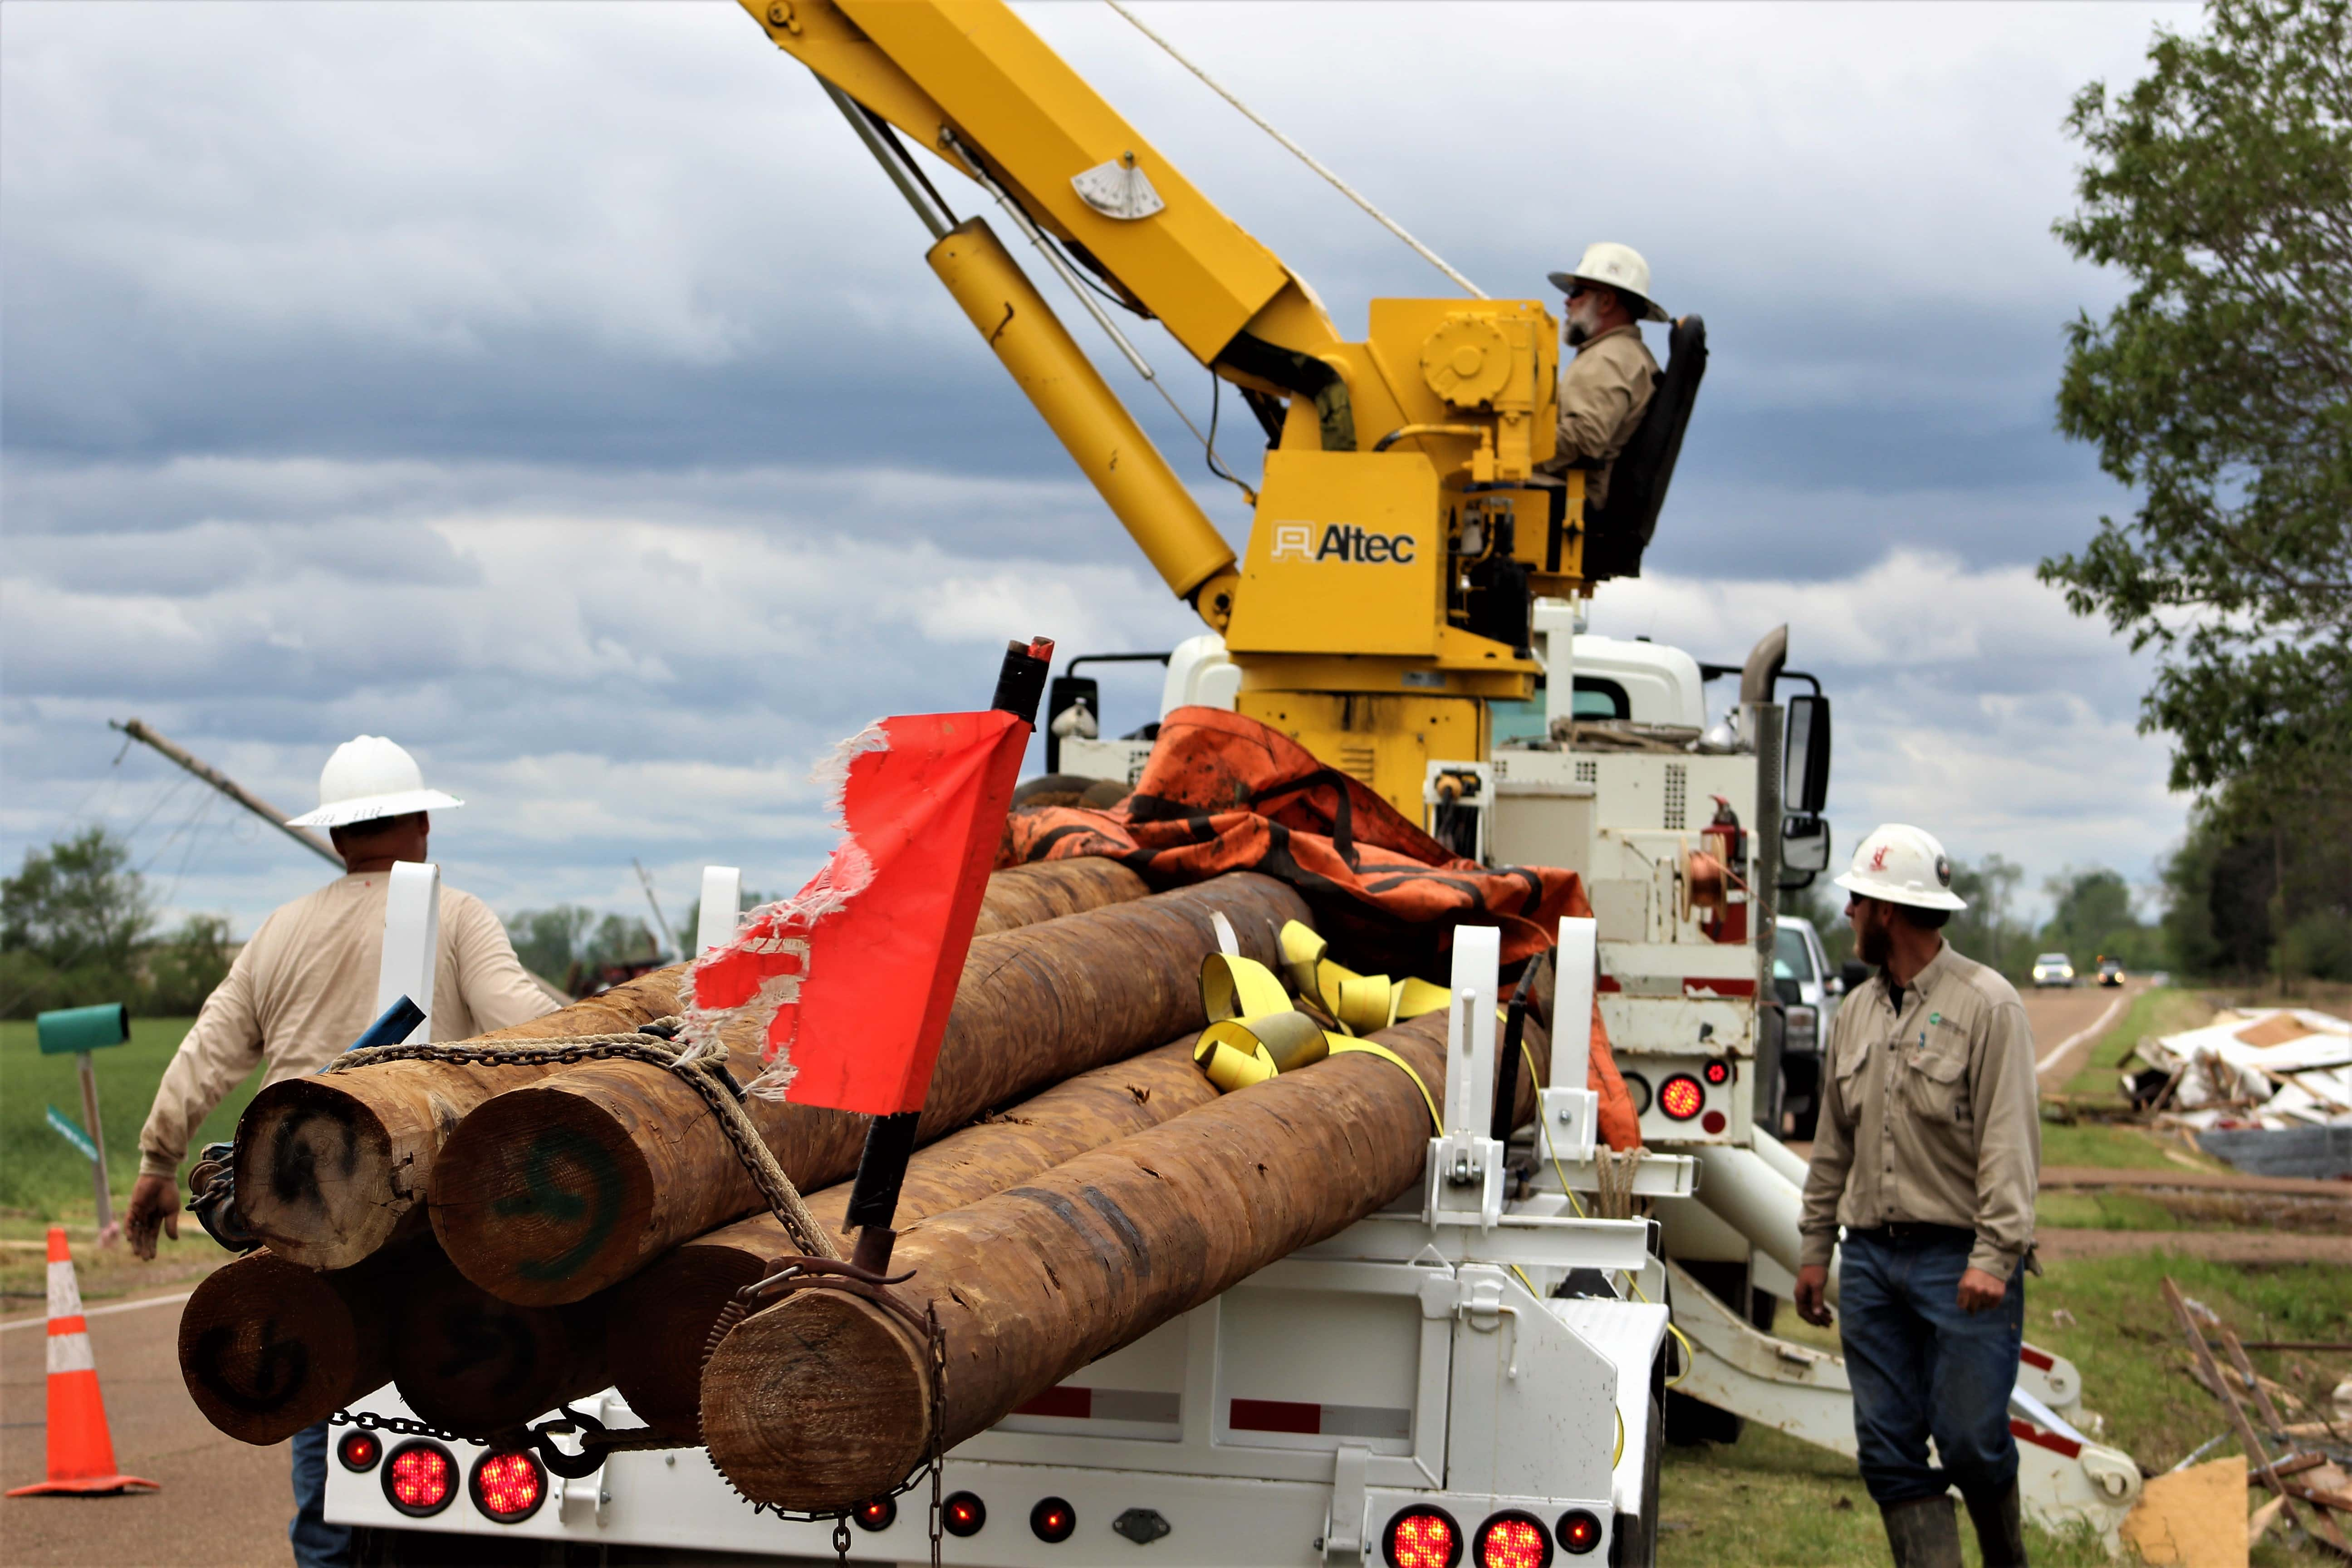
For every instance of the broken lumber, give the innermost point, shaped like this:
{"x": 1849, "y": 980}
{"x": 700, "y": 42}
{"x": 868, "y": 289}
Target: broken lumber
{"x": 473, "y": 1364}
{"x": 267, "y": 1347}
{"x": 331, "y": 1168}
{"x": 824, "y": 1398}
{"x": 660, "y": 1319}
{"x": 552, "y": 1192}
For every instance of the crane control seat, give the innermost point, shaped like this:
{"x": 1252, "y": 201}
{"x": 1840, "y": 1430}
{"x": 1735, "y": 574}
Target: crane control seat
{"x": 1617, "y": 532}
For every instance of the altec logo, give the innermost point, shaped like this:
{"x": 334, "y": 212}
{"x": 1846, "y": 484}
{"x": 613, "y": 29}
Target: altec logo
{"x": 1340, "y": 541}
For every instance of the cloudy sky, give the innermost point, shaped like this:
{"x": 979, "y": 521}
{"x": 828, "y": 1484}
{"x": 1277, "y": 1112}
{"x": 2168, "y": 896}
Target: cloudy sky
{"x": 561, "y": 391}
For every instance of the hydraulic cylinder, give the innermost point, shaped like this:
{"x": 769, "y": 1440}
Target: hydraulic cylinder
{"x": 1093, "y": 425}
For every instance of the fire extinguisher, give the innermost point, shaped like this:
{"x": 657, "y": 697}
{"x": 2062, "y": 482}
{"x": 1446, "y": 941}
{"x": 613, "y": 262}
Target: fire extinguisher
{"x": 1727, "y": 841}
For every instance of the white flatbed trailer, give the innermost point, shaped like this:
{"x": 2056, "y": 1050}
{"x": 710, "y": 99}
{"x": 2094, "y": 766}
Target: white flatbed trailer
{"x": 1415, "y": 1366}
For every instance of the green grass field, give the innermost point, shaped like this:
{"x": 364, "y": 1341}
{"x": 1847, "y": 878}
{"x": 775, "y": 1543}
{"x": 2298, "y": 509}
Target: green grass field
{"x": 1771, "y": 1500}
{"x": 42, "y": 1176}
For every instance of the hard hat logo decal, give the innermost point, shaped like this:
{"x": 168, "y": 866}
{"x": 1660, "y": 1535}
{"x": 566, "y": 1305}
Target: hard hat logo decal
{"x": 1878, "y": 861}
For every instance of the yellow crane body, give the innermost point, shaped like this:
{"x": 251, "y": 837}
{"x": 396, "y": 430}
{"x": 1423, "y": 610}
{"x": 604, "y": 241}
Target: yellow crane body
{"x": 1402, "y": 531}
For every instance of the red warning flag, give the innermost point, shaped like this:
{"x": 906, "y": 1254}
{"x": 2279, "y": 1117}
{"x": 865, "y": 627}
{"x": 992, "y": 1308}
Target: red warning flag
{"x": 853, "y": 976}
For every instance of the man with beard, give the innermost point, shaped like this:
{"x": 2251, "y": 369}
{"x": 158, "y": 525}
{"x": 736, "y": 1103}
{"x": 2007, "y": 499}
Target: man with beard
{"x": 1604, "y": 389}
{"x": 1929, "y": 1153}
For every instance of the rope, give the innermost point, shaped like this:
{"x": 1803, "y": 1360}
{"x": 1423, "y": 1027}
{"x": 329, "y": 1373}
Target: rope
{"x": 701, "y": 1067}
{"x": 1305, "y": 157}
{"x": 1690, "y": 1353}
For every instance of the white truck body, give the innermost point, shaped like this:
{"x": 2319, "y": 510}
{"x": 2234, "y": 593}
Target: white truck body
{"x": 1417, "y": 1361}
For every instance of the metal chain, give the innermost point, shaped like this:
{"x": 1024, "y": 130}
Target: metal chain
{"x": 841, "y": 1538}
{"x": 939, "y": 1423}
{"x": 650, "y": 1043}
{"x": 398, "y": 1425}
{"x": 706, "y": 1075}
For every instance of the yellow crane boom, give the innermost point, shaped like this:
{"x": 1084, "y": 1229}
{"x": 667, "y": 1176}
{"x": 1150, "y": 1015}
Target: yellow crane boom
{"x": 1400, "y": 534}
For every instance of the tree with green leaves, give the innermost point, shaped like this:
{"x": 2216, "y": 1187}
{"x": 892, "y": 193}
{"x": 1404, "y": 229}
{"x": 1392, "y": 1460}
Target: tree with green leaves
{"x": 2221, "y": 389}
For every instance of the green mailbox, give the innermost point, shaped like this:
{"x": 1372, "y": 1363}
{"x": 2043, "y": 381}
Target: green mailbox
{"x": 73, "y": 1029}
{"x": 78, "y": 1031}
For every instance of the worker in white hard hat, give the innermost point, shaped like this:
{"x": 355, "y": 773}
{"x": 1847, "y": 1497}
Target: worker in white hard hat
{"x": 302, "y": 990}
{"x": 1927, "y": 1153}
{"x": 1605, "y": 388}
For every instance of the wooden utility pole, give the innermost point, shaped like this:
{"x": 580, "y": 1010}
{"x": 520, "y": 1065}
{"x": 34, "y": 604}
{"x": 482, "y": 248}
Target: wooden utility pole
{"x": 551, "y": 1193}
{"x": 660, "y": 1320}
{"x": 138, "y": 730}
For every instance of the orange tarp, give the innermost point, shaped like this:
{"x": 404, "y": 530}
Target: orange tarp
{"x": 1224, "y": 793}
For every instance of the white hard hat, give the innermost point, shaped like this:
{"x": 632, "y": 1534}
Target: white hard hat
{"x": 1616, "y": 266}
{"x": 369, "y": 777}
{"x": 1903, "y": 864}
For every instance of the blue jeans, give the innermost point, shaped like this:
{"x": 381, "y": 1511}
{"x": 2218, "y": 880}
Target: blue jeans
{"x": 317, "y": 1543}
{"x": 1920, "y": 1368}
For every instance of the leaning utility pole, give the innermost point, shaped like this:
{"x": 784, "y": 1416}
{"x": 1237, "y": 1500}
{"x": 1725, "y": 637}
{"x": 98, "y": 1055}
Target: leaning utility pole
{"x": 138, "y": 731}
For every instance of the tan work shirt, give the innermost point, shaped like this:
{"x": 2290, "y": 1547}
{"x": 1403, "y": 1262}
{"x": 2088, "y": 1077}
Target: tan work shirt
{"x": 303, "y": 989}
{"x": 1602, "y": 392}
{"x": 1929, "y": 1115}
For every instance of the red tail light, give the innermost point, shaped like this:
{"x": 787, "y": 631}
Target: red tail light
{"x": 1513, "y": 1539}
{"x": 509, "y": 1488}
{"x": 1716, "y": 1073}
{"x": 962, "y": 1515}
{"x": 1052, "y": 1520}
{"x": 879, "y": 1514}
{"x": 359, "y": 1451}
{"x": 1579, "y": 1531}
{"x": 1680, "y": 1098}
{"x": 1421, "y": 1538}
{"x": 420, "y": 1478}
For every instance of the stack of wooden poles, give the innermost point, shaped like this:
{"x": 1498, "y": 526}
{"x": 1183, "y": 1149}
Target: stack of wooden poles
{"x": 497, "y": 1240}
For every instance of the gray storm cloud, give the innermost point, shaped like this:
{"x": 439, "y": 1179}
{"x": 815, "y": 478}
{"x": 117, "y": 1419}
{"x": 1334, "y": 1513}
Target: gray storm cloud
{"x": 560, "y": 390}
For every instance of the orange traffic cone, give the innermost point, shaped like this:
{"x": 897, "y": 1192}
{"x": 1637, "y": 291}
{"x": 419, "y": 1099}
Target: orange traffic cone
{"x": 81, "y": 1454}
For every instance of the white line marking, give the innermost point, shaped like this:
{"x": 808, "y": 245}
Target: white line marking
{"x": 2079, "y": 1035}
{"x": 102, "y": 1311}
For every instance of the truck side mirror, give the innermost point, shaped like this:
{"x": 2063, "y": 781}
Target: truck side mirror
{"x": 1805, "y": 849}
{"x": 1805, "y": 758}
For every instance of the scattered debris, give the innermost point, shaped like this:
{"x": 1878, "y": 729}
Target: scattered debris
{"x": 2270, "y": 1069}
{"x": 2193, "y": 1319}
{"x": 2189, "y": 1518}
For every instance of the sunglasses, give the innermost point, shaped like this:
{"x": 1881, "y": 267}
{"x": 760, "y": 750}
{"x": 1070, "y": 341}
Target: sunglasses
{"x": 1579, "y": 290}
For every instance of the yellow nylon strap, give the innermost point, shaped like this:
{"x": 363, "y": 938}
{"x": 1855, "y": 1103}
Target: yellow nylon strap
{"x": 1374, "y": 1048}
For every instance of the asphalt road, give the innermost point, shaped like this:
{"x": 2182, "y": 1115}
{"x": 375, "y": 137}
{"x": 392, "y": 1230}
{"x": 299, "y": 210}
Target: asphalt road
{"x": 2068, "y": 1021}
{"x": 223, "y": 1504}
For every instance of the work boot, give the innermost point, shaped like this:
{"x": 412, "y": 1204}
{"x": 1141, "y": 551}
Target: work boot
{"x": 2000, "y": 1531}
{"x": 1925, "y": 1532}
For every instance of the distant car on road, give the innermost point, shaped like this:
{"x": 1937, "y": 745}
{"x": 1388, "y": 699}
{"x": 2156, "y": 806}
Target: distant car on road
{"x": 2111, "y": 972}
{"x": 1809, "y": 996}
{"x": 2053, "y": 969}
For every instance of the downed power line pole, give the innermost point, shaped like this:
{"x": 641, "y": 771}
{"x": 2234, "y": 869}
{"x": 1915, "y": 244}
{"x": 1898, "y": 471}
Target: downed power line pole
{"x": 553, "y": 1192}
{"x": 141, "y": 731}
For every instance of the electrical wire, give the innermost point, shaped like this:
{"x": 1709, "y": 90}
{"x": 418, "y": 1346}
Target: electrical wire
{"x": 1305, "y": 157}
{"x": 1216, "y": 405}
{"x": 1069, "y": 273}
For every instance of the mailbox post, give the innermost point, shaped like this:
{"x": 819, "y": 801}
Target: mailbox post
{"x": 81, "y": 1030}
